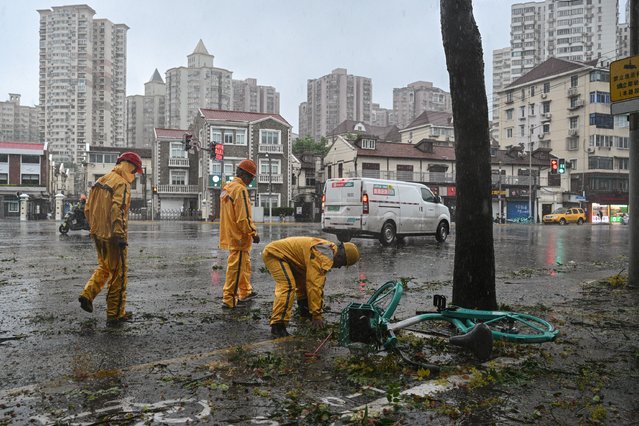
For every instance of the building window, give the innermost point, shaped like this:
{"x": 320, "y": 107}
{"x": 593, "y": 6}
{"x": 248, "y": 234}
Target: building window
{"x": 4, "y": 158}
{"x": 547, "y": 87}
{"x": 509, "y": 114}
{"x": 522, "y": 130}
{"x": 178, "y": 177}
{"x": 600, "y": 97}
{"x": 621, "y": 121}
{"x": 573, "y": 144}
{"x": 532, "y": 90}
{"x": 601, "y": 121}
{"x": 522, "y": 112}
{"x": 329, "y": 172}
{"x": 509, "y": 133}
{"x": 621, "y": 142}
{"x": 4, "y": 178}
{"x": 405, "y": 172}
{"x": 310, "y": 181}
{"x": 509, "y": 96}
{"x": 623, "y": 163}
{"x": 370, "y": 170}
{"x": 216, "y": 136}
{"x": 531, "y": 108}
{"x": 545, "y": 128}
{"x": 275, "y": 166}
{"x": 13, "y": 207}
{"x": 368, "y": 143}
{"x": 270, "y": 137}
{"x": 240, "y": 137}
{"x": 177, "y": 150}
{"x": 600, "y": 76}
{"x": 228, "y": 138}
{"x": 600, "y": 163}
{"x": 574, "y": 80}
{"x": 30, "y": 159}
{"x": 29, "y": 179}
{"x": 545, "y": 107}
{"x": 573, "y": 122}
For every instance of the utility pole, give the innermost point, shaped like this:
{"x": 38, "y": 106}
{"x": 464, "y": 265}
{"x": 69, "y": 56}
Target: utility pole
{"x": 633, "y": 191}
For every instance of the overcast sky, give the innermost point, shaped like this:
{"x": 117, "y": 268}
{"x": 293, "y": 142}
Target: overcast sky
{"x": 281, "y": 43}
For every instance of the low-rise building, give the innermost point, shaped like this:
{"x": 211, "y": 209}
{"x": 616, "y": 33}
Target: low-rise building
{"x": 175, "y": 179}
{"x": 433, "y": 125}
{"x": 24, "y": 171}
{"x": 262, "y": 137}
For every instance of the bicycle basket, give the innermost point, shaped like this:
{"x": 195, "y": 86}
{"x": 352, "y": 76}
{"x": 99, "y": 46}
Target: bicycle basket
{"x": 359, "y": 323}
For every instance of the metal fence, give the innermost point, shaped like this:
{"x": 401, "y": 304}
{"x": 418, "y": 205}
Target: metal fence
{"x": 165, "y": 214}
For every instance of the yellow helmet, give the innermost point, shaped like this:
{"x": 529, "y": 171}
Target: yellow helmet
{"x": 352, "y": 253}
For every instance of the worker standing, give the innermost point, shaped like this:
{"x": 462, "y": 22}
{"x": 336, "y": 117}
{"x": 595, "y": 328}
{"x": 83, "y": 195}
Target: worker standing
{"x": 299, "y": 266}
{"x": 237, "y": 233}
{"x": 107, "y": 211}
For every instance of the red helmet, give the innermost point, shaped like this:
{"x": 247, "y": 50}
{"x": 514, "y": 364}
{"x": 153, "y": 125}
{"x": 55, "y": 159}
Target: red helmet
{"x": 132, "y": 158}
{"x": 248, "y": 166}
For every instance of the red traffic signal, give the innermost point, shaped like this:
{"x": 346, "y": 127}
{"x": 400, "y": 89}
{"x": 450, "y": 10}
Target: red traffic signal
{"x": 554, "y": 166}
{"x": 219, "y": 151}
{"x": 187, "y": 141}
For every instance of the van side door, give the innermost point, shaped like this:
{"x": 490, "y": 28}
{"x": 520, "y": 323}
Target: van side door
{"x": 428, "y": 210}
{"x": 411, "y": 216}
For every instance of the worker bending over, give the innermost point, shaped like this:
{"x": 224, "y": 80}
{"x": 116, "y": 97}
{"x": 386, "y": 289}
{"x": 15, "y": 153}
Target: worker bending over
{"x": 299, "y": 266}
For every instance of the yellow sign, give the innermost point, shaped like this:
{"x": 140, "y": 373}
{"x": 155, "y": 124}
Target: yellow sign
{"x": 624, "y": 79}
{"x": 503, "y": 192}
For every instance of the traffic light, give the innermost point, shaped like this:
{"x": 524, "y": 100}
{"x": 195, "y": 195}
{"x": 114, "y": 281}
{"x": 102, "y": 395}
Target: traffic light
{"x": 554, "y": 166}
{"x": 187, "y": 141}
{"x": 561, "y": 168}
{"x": 155, "y": 189}
{"x": 219, "y": 151}
{"x": 212, "y": 151}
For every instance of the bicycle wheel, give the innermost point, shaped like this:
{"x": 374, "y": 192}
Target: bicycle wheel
{"x": 521, "y": 328}
{"x": 386, "y": 298}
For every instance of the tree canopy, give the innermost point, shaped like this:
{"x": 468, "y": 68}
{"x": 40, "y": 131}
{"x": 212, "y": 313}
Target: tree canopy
{"x": 308, "y": 145}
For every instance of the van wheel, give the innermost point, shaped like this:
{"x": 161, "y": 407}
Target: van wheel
{"x": 388, "y": 234}
{"x": 344, "y": 237}
{"x": 442, "y": 232}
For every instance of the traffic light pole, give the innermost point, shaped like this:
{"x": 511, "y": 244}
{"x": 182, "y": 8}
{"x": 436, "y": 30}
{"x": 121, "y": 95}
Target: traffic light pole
{"x": 633, "y": 191}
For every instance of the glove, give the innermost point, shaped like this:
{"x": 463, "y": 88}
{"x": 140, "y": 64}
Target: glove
{"x": 317, "y": 324}
{"x": 256, "y": 239}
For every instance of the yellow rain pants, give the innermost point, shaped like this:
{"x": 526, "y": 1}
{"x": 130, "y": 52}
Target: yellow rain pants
{"x": 112, "y": 269}
{"x": 238, "y": 277}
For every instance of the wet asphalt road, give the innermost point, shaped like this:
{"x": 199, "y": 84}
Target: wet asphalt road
{"x": 176, "y": 274}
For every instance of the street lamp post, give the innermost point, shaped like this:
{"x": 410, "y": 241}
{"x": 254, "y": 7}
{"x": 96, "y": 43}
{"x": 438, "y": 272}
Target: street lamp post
{"x": 270, "y": 180}
{"x": 499, "y": 193}
{"x": 530, "y": 173}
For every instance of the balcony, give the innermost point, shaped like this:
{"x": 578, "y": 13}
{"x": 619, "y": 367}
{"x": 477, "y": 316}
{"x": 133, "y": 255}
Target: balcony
{"x": 271, "y": 149}
{"x": 264, "y": 178}
{"x": 577, "y": 104}
{"x": 178, "y": 189}
{"x": 424, "y": 177}
{"x": 178, "y": 162}
{"x": 514, "y": 180}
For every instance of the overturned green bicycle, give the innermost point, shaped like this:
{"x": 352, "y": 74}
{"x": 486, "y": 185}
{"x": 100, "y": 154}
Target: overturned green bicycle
{"x": 370, "y": 323}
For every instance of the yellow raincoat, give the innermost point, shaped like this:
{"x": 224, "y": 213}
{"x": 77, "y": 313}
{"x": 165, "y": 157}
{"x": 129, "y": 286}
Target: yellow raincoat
{"x": 298, "y": 264}
{"x": 236, "y": 235}
{"x": 107, "y": 210}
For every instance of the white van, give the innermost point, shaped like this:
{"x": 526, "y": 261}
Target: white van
{"x": 384, "y": 209}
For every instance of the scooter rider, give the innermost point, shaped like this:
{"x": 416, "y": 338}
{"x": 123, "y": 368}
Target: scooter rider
{"x": 107, "y": 211}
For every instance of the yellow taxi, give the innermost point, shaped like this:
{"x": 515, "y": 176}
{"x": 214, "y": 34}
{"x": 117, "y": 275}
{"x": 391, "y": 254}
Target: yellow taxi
{"x": 563, "y": 216}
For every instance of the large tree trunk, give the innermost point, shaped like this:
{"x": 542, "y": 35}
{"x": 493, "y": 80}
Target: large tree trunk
{"x": 474, "y": 275}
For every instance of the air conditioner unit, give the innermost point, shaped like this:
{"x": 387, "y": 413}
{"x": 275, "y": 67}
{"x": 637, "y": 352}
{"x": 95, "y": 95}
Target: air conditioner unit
{"x": 573, "y": 132}
{"x": 541, "y": 135}
{"x": 579, "y": 103}
{"x": 544, "y": 96}
{"x": 591, "y": 150}
{"x": 548, "y": 115}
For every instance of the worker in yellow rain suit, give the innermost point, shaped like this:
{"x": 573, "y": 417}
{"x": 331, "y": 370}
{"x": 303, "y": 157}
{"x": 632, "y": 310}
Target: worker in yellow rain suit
{"x": 299, "y": 266}
{"x": 107, "y": 211}
{"x": 237, "y": 233}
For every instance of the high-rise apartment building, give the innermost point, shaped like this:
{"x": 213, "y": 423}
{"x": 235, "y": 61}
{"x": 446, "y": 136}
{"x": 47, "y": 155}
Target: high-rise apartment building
{"x": 332, "y": 99}
{"x": 501, "y": 78}
{"x": 382, "y": 117}
{"x": 198, "y": 85}
{"x": 82, "y": 81}
{"x": 250, "y": 97}
{"x": 18, "y": 123}
{"x": 417, "y": 97}
{"x": 146, "y": 112}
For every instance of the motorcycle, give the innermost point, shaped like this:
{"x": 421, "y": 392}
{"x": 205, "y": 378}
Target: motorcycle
{"x": 74, "y": 220}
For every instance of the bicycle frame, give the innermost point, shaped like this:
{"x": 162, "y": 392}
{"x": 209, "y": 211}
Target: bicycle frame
{"x": 372, "y": 322}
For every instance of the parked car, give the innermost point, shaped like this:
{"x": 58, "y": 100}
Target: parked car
{"x": 563, "y": 216}
{"x": 383, "y": 209}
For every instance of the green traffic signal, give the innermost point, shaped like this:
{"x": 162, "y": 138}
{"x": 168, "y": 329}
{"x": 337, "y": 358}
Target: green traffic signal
{"x": 561, "y": 168}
